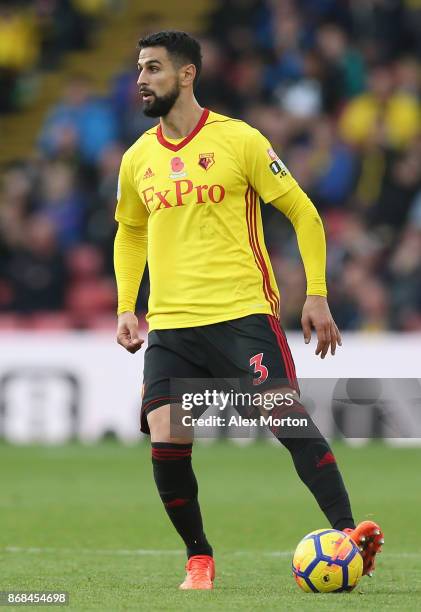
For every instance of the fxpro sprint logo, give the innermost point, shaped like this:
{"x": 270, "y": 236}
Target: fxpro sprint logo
{"x": 182, "y": 193}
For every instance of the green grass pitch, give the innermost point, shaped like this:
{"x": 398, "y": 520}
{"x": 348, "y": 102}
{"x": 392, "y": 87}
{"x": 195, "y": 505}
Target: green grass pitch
{"x": 88, "y": 520}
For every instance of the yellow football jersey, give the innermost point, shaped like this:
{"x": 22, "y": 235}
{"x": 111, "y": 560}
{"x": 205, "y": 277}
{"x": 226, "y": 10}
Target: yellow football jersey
{"x": 198, "y": 199}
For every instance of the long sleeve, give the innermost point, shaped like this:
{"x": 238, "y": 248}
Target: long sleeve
{"x": 302, "y": 213}
{"x": 130, "y": 249}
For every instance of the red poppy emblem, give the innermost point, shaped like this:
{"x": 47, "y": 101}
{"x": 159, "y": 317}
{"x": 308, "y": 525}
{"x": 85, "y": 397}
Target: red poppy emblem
{"x": 177, "y": 164}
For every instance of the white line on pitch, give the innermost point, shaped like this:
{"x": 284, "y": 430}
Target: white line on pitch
{"x": 155, "y": 552}
{"x": 90, "y": 551}
{"x": 133, "y": 552}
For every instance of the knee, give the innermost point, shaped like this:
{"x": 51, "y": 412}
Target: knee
{"x": 159, "y": 421}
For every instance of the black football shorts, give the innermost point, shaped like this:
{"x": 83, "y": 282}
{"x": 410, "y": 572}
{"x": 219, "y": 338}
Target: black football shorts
{"x": 253, "y": 349}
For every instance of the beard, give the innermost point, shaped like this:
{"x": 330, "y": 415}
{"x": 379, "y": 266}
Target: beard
{"x": 161, "y": 106}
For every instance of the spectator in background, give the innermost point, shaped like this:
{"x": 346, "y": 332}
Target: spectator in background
{"x": 99, "y": 225}
{"x": 355, "y": 258}
{"x": 19, "y": 51}
{"x": 316, "y": 12}
{"x": 343, "y": 73}
{"x": 302, "y": 99}
{"x": 379, "y": 123}
{"x": 213, "y": 85}
{"x": 378, "y": 27}
{"x": 402, "y": 180}
{"x": 407, "y": 75}
{"x": 36, "y": 34}
{"x": 62, "y": 203}
{"x": 333, "y": 166}
{"x": 66, "y": 25}
{"x": 282, "y": 34}
{"x": 405, "y": 280}
{"x": 389, "y": 117}
{"x": 372, "y": 303}
{"x": 275, "y": 124}
{"x": 36, "y": 269}
{"x": 125, "y": 101}
{"x": 412, "y": 22}
{"x": 16, "y": 201}
{"x": 246, "y": 83}
{"x": 89, "y": 293}
{"x": 89, "y": 118}
{"x": 232, "y": 24}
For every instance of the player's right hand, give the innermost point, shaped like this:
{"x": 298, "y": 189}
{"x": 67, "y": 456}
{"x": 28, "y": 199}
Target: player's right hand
{"x": 128, "y": 332}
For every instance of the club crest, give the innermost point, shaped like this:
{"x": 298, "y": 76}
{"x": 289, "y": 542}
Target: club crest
{"x": 206, "y": 160}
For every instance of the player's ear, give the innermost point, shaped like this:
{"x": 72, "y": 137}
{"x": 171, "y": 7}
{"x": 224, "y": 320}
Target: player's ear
{"x": 188, "y": 74}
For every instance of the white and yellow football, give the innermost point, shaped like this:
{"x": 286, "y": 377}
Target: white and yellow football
{"x": 327, "y": 561}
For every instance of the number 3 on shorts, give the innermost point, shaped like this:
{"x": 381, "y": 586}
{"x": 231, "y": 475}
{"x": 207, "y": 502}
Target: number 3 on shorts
{"x": 259, "y": 368}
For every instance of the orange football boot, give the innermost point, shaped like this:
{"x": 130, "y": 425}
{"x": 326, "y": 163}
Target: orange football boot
{"x": 200, "y": 573}
{"x": 369, "y": 538}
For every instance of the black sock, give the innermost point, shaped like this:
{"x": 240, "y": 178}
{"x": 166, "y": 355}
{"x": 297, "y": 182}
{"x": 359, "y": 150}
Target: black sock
{"x": 317, "y": 468}
{"x": 177, "y": 487}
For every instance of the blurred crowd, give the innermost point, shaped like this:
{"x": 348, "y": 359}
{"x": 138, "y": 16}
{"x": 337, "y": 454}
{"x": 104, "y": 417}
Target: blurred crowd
{"x": 336, "y": 88}
{"x": 35, "y": 35}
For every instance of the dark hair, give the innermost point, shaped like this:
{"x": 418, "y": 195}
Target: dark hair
{"x": 182, "y": 47}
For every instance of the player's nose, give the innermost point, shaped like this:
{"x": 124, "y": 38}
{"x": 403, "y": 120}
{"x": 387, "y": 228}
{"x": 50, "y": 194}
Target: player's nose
{"x": 141, "y": 80}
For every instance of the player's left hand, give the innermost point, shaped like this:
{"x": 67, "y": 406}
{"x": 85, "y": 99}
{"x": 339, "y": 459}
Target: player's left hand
{"x": 316, "y": 314}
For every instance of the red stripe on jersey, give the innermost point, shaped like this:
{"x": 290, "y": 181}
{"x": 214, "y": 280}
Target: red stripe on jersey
{"x": 285, "y": 360}
{"x": 285, "y": 352}
{"x": 249, "y": 217}
{"x": 288, "y": 354}
{"x": 270, "y": 293}
{"x": 262, "y": 259}
{"x": 176, "y": 147}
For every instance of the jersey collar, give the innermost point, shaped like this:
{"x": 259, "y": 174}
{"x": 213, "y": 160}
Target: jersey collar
{"x": 176, "y": 147}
